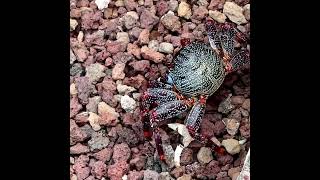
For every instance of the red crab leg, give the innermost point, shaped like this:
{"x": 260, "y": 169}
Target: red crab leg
{"x": 193, "y": 121}
{"x": 153, "y": 97}
{"x": 240, "y": 60}
{"x": 163, "y": 112}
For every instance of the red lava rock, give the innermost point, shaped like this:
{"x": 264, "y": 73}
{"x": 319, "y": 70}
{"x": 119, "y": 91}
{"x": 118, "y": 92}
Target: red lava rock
{"x": 122, "y": 57}
{"x": 142, "y": 65}
{"x": 237, "y": 100}
{"x": 96, "y": 38}
{"x": 134, "y": 50}
{"x": 152, "y": 55}
{"x": 128, "y": 119}
{"x": 89, "y": 20}
{"x": 130, "y": 4}
{"x": 116, "y": 46}
{"x": 108, "y": 97}
{"x": 148, "y": 19}
{"x": 75, "y": 106}
{"x": 138, "y": 129}
{"x": 162, "y": 8}
{"x": 219, "y": 128}
{"x": 178, "y": 171}
{"x": 175, "y": 41}
{"x": 90, "y": 178}
{"x": 148, "y": 3}
{"x": 186, "y": 156}
{"x": 135, "y": 175}
{"x": 127, "y": 135}
{"x": 84, "y": 88}
{"x": 75, "y": 13}
{"x": 224, "y": 159}
{"x": 214, "y": 4}
{"x": 171, "y": 22}
{"x": 80, "y": 167}
{"x": 98, "y": 169}
{"x": 138, "y": 162}
{"x": 108, "y": 61}
{"x": 134, "y": 33}
{"x": 121, "y": 152}
{"x": 245, "y": 130}
{"x": 147, "y": 149}
{"x": 144, "y": 37}
{"x": 235, "y": 114}
{"x": 212, "y": 168}
{"x": 83, "y": 3}
{"x": 200, "y": 12}
{"x": 223, "y": 176}
{"x": 108, "y": 84}
{"x": 102, "y": 55}
{"x": 151, "y": 175}
{"x": 81, "y": 54}
{"x": 104, "y": 155}
{"x": 246, "y": 104}
{"x": 76, "y": 134}
{"x": 207, "y": 127}
{"x": 79, "y": 149}
{"x": 117, "y": 170}
{"x": 122, "y": 10}
{"x": 195, "y": 167}
{"x": 136, "y": 81}
{"x": 109, "y": 26}
{"x": 117, "y": 71}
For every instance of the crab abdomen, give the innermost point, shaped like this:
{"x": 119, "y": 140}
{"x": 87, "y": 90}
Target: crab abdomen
{"x": 198, "y": 70}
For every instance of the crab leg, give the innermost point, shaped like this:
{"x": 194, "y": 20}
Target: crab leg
{"x": 212, "y": 32}
{"x": 163, "y": 112}
{"x": 194, "y": 119}
{"x": 238, "y": 61}
{"x": 153, "y": 97}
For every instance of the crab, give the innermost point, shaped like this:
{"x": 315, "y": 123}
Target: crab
{"x": 198, "y": 70}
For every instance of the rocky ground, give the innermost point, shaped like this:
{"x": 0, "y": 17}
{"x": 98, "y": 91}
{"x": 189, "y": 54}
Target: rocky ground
{"x": 114, "y": 53}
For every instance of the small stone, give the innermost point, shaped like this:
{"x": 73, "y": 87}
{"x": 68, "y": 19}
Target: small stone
{"x": 73, "y": 24}
{"x": 128, "y": 136}
{"x": 185, "y": 177}
{"x": 98, "y": 141}
{"x": 165, "y": 176}
{"x": 130, "y": 19}
{"x": 136, "y": 81}
{"x": 135, "y": 175}
{"x": 184, "y": 10}
{"x": 80, "y": 36}
{"x": 203, "y": 3}
{"x": 138, "y": 162}
{"x": 76, "y": 69}
{"x": 123, "y": 37}
{"x": 148, "y": 19}
{"x": 134, "y": 50}
{"x": 152, "y": 55}
{"x": 232, "y": 146}
{"x": 232, "y": 125}
{"x": 246, "y": 11}
{"x": 178, "y": 171}
{"x": 130, "y": 4}
{"x": 154, "y": 45}
{"x": 233, "y": 171}
{"x": 225, "y": 106}
{"x": 150, "y": 175}
{"x": 76, "y": 134}
{"x": 98, "y": 169}
{"x": 73, "y": 89}
{"x": 122, "y": 57}
{"x": 80, "y": 167}
{"x": 104, "y": 155}
{"x": 81, "y": 54}
{"x": 79, "y": 149}
{"x": 173, "y": 5}
{"x": 200, "y": 13}
{"x": 222, "y": 175}
{"x": 144, "y": 37}
{"x": 108, "y": 114}
{"x": 237, "y": 100}
{"x": 74, "y": 177}
{"x": 117, "y": 71}
{"x": 162, "y": 7}
{"x": 116, "y": 46}
{"x": 81, "y": 118}
{"x": 117, "y": 170}
{"x": 84, "y": 88}
{"x": 204, "y": 155}
{"x": 121, "y": 152}
{"x": 217, "y": 16}
{"x": 234, "y": 13}
{"x": 128, "y": 103}
{"x": 235, "y": 176}
{"x": 142, "y": 65}
{"x": 94, "y": 120}
{"x": 92, "y": 106}
{"x": 186, "y": 156}
{"x": 119, "y": 3}
{"x": 171, "y": 22}
{"x": 124, "y": 89}
{"x": 246, "y": 104}
{"x": 94, "y": 72}
{"x": 166, "y": 48}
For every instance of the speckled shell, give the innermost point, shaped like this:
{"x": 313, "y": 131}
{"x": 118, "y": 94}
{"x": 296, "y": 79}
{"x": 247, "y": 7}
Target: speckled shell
{"x": 198, "y": 70}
